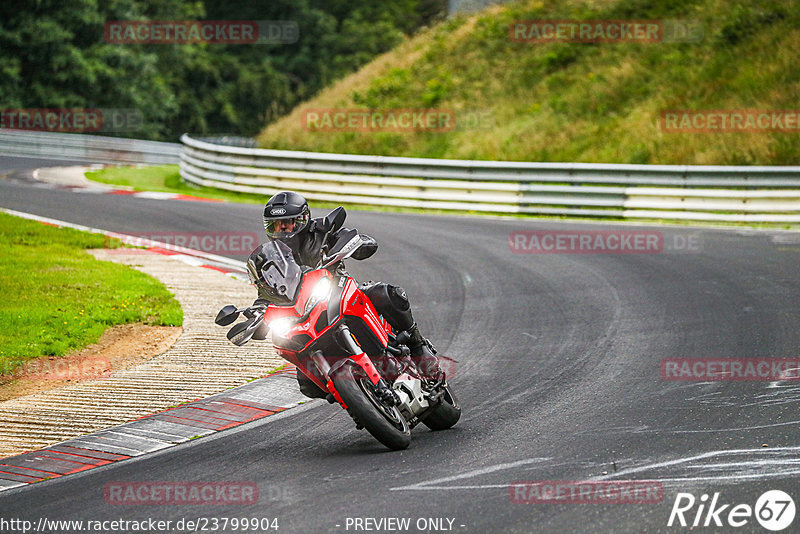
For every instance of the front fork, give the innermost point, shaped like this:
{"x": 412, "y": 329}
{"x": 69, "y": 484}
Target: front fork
{"x": 360, "y": 358}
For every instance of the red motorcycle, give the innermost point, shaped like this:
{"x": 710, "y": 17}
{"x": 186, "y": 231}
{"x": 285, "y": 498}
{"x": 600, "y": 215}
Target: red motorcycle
{"x": 327, "y": 327}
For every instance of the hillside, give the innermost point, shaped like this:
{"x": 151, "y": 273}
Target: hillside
{"x": 569, "y": 101}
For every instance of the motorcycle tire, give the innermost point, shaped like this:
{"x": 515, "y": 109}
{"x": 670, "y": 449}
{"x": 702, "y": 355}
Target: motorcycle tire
{"x": 446, "y": 414}
{"x": 385, "y": 423}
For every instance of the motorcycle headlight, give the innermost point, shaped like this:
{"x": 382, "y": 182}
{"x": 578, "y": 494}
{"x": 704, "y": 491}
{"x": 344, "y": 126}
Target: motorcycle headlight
{"x": 281, "y": 327}
{"x": 318, "y": 294}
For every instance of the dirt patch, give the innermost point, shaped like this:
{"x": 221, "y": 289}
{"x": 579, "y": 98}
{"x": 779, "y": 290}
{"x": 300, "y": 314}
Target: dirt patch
{"x": 119, "y": 347}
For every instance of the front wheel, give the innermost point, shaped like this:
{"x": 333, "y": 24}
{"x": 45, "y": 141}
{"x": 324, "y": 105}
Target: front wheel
{"x": 446, "y": 414}
{"x": 385, "y": 423}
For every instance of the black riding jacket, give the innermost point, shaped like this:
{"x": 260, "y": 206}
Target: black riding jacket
{"x": 307, "y": 246}
{"x": 307, "y": 249}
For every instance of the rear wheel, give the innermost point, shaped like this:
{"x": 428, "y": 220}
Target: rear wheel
{"x": 385, "y": 423}
{"x": 446, "y": 414}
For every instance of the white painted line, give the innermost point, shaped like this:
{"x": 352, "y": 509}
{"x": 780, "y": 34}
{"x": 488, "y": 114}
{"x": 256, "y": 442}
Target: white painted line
{"x": 196, "y": 262}
{"x": 155, "y": 195}
{"x": 710, "y": 454}
{"x": 430, "y": 484}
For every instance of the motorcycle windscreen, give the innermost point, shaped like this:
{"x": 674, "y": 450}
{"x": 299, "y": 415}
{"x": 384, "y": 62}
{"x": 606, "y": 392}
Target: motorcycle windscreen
{"x": 272, "y": 269}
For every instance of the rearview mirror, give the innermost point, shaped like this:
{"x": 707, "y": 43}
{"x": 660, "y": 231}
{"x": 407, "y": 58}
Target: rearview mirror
{"x": 227, "y": 315}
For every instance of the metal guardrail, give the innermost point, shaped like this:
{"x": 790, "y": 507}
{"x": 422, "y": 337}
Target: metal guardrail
{"x": 711, "y": 193}
{"x": 87, "y": 148}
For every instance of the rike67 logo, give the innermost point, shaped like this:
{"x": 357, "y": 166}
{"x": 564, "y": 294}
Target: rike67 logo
{"x": 774, "y": 510}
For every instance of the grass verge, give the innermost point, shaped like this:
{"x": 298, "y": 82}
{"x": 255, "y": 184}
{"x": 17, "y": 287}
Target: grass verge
{"x": 167, "y": 179}
{"x": 57, "y": 298}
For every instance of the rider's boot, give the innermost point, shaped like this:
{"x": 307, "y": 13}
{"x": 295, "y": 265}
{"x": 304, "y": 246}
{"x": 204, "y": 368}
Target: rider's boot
{"x": 423, "y": 353}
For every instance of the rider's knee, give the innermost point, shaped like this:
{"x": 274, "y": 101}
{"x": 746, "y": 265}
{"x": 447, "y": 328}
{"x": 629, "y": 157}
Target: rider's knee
{"x": 391, "y": 302}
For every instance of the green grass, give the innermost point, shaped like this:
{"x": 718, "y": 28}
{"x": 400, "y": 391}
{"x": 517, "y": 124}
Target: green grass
{"x": 57, "y": 298}
{"x": 167, "y": 179}
{"x": 158, "y": 178}
{"x": 579, "y": 102}
{"x": 139, "y": 178}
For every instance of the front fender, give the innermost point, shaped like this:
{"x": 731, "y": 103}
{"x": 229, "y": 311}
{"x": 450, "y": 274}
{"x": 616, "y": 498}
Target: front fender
{"x": 361, "y": 360}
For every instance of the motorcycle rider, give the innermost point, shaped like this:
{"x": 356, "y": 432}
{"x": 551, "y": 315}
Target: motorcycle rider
{"x": 287, "y": 218}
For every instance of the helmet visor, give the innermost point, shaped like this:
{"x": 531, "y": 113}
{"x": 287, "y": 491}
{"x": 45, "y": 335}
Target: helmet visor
{"x": 286, "y": 226}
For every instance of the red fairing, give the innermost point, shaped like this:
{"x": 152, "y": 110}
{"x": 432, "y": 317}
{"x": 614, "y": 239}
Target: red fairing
{"x": 306, "y": 327}
{"x": 355, "y": 302}
{"x": 365, "y": 363}
{"x": 275, "y": 312}
{"x": 332, "y": 390}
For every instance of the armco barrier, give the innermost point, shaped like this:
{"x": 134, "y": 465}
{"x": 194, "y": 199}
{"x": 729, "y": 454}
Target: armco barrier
{"x": 87, "y": 148}
{"x": 712, "y": 193}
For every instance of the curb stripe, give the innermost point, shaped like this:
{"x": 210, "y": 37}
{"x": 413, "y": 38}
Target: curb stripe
{"x": 83, "y": 453}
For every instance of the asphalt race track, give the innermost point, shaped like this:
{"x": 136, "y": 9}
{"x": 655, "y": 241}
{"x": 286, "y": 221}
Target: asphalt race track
{"x": 557, "y": 369}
